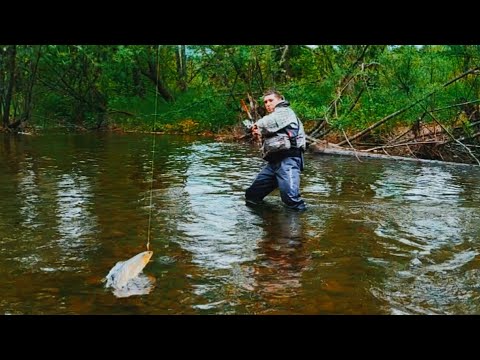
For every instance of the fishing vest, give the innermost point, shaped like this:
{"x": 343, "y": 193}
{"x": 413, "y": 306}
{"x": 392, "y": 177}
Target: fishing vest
{"x": 282, "y": 132}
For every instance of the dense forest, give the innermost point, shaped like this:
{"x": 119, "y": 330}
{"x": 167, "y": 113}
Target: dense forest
{"x": 419, "y": 101}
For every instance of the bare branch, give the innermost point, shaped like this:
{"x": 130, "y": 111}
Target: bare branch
{"x": 391, "y": 116}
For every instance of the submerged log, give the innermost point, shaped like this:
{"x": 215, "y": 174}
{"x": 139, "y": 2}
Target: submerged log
{"x": 322, "y": 147}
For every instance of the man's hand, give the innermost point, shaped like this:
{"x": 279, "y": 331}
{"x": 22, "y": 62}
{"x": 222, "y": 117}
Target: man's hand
{"x": 256, "y": 134}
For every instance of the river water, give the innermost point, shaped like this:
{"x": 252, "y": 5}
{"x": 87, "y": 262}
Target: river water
{"x": 379, "y": 237}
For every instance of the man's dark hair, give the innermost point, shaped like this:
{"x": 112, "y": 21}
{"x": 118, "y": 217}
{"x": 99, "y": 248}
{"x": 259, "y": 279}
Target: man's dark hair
{"x": 273, "y": 92}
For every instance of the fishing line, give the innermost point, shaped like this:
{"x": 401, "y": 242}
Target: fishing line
{"x": 153, "y": 150}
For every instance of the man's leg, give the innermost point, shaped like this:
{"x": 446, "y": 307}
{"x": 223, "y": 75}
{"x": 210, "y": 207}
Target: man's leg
{"x": 288, "y": 177}
{"x": 264, "y": 184}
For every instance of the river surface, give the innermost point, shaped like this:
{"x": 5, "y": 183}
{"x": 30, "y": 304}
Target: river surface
{"x": 379, "y": 237}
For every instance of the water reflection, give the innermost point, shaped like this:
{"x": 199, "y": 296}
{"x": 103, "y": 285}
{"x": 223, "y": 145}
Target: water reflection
{"x": 427, "y": 235}
{"x": 427, "y": 184}
{"x": 379, "y": 237}
{"x": 140, "y": 285}
{"x": 75, "y": 221}
{"x": 213, "y": 225}
{"x": 30, "y": 195}
{"x": 281, "y": 259}
{"x": 269, "y": 279}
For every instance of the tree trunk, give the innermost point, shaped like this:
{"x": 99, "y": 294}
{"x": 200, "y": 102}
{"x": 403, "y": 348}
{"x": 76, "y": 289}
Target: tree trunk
{"x": 331, "y": 149}
{"x": 282, "y": 54}
{"x": 153, "y": 74}
{"x": 181, "y": 58}
{"x": 11, "y": 55}
{"x": 27, "y": 112}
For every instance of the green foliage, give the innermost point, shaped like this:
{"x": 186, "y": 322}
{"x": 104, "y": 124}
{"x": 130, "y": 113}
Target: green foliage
{"x": 309, "y": 100}
{"x": 353, "y": 86}
{"x": 206, "y": 111}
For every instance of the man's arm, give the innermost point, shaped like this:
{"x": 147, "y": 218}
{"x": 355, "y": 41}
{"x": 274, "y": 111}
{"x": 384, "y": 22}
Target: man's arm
{"x": 276, "y": 121}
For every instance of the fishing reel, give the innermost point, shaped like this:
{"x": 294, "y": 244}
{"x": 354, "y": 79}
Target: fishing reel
{"x": 248, "y": 125}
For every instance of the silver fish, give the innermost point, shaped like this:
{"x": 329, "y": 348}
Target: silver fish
{"x": 125, "y": 271}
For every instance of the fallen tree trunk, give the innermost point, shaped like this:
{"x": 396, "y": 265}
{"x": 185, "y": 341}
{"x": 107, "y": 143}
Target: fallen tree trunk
{"x": 331, "y": 149}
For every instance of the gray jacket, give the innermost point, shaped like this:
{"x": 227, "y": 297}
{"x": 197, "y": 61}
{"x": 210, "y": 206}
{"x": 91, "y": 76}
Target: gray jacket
{"x": 279, "y": 119}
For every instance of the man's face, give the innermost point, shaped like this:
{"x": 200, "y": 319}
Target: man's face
{"x": 271, "y": 101}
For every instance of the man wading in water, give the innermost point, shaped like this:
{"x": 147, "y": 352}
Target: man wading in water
{"x": 283, "y": 144}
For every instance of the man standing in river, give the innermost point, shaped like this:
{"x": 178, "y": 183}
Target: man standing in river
{"x": 283, "y": 144}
